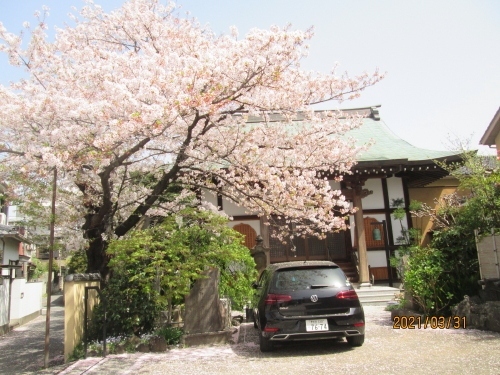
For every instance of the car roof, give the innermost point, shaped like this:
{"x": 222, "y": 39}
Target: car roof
{"x": 323, "y": 263}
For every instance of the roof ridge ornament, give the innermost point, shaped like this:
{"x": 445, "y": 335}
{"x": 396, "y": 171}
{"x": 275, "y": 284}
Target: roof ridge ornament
{"x": 375, "y": 113}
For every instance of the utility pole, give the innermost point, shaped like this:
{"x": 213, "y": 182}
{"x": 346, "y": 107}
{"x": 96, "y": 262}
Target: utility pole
{"x": 51, "y": 260}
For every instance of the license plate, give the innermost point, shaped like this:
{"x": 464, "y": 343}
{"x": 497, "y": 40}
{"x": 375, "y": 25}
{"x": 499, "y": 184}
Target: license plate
{"x": 316, "y": 325}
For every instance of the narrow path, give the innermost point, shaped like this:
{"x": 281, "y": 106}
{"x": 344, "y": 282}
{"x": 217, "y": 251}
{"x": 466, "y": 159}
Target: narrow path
{"x": 22, "y": 350}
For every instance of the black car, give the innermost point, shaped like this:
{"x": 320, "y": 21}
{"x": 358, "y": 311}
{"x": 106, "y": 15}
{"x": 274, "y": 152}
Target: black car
{"x": 309, "y": 300}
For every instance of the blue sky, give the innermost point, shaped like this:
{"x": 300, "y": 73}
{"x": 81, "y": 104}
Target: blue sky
{"x": 442, "y": 58}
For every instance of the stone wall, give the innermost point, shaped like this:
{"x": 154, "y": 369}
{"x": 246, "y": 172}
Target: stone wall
{"x": 206, "y": 318}
{"x": 483, "y": 311}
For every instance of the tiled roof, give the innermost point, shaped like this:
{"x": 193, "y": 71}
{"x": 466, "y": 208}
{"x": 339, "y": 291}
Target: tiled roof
{"x": 388, "y": 146}
{"x": 388, "y": 154}
{"x": 489, "y": 136}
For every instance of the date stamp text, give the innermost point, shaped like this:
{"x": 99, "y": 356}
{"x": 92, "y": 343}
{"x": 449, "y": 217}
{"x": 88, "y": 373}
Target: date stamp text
{"x": 432, "y": 322}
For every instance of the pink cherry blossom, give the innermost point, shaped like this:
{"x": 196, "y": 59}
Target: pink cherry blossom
{"x": 124, "y": 104}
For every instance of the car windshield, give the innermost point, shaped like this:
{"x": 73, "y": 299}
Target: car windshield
{"x": 309, "y": 278}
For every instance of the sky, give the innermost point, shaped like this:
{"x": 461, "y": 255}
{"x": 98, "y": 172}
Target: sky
{"x": 441, "y": 58}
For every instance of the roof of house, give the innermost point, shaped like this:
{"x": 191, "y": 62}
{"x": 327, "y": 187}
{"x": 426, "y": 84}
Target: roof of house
{"x": 9, "y": 231}
{"x": 388, "y": 146}
{"x": 488, "y": 138}
{"x": 391, "y": 155}
{"x": 388, "y": 153}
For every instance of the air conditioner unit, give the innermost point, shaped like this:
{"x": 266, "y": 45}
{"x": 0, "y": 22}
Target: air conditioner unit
{"x": 3, "y": 219}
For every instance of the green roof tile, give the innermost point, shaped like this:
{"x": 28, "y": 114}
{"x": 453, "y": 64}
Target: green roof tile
{"x": 388, "y": 146}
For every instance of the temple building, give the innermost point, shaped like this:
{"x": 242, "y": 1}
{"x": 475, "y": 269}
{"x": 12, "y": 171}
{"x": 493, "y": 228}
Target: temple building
{"x": 390, "y": 171}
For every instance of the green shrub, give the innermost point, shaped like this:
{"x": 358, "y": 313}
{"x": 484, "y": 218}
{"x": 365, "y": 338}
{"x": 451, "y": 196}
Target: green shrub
{"x": 39, "y": 269}
{"x": 132, "y": 307}
{"x": 423, "y": 278}
{"x": 153, "y": 269}
{"x": 77, "y": 263}
{"x": 171, "y": 334}
{"x": 78, "y": 353}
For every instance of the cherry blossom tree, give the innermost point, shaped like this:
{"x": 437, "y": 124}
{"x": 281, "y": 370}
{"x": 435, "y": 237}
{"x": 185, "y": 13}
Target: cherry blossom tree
{"x": 130, "y": 103}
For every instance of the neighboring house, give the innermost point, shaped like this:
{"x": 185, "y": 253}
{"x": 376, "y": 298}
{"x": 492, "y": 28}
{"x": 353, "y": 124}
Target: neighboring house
{"x": 14, "y": 250}
{"x": 20, "y": 300}
{"x": 20, "y": 245}
{"x": 392, "y": 169}
{"x": 491, "y": 136}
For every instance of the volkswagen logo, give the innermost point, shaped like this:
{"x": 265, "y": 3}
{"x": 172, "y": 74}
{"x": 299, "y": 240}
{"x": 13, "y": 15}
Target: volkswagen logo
{"x": 314, "y": 298}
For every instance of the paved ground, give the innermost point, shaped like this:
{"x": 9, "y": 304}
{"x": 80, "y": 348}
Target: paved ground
{"x": 386, "y": 351}
{"x": 22, "y": 350}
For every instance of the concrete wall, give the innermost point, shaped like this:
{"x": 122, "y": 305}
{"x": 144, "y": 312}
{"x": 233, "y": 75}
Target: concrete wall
{"x": 4, "y": 305}
{"x": 10, "y": 252}
{"x": 74, "y": 310}
{"x": 26, "y": 302}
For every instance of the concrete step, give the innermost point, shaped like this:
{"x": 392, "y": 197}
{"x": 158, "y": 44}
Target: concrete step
{"x": 376, "y": 295}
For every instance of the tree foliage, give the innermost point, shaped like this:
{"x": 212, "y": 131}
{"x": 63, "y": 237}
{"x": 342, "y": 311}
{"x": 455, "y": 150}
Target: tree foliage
{"x": 77, "y": 263}
{"x": 38, "y": 270}
{"x": 130, "y": 305}
{"x": 424, "y": 277}
{"x": 442, "y": 274}
{"x": 170, "y": 256}
{"x": 155, "y": 268}
{"x": 124, "y": 104}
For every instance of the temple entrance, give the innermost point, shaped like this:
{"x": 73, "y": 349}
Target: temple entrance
{"x": 333, "y": 247}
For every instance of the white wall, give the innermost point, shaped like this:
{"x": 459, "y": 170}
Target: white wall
{"x": 335, "y": 185}
{"x": 209, "y": 197}
{"x": 14, "y": 216}
{"x": 11, "y": 252}
{"x": 395, "y": 188}
{"x": 229, "y": 208}
{"x": 4, "y": 301}
{"x": 26, "y": 298}
{"x": 375, "y": 200}
{"x": 376, "y": 258}
{"x": 233, "y": 209}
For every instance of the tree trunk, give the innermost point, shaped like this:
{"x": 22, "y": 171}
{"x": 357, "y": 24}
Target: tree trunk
{"x": 97, "y": 260}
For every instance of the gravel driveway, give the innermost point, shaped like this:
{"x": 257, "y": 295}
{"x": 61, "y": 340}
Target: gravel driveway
{"x": 385, "y": 351}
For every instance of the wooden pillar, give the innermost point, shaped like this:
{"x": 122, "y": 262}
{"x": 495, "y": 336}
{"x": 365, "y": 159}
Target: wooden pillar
{"x": 355, "y": 194}
{"x": 364, "y": 275}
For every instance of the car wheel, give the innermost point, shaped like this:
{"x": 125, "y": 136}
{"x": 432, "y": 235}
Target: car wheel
{"x": 266, "y": 345}
{"x": 356, "y": 340}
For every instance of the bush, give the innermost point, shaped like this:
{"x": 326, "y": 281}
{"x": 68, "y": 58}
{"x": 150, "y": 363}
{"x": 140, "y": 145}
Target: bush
{"x": 132, "y": 307}
{"x": 77, "y": 263}
{"x": 153, "y": 269}
{"x": 424, "y": 279}
{"x": 172, "y": 335}
{"x": 39, "y": 269}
